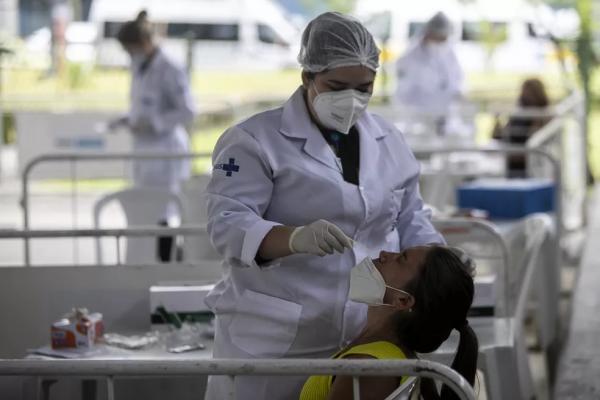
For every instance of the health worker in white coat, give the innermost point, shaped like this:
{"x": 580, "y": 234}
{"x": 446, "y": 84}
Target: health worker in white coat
{"x": 161, "y": 107}
{"x": 298, "y": 196}
{"x": 429, "y": 76}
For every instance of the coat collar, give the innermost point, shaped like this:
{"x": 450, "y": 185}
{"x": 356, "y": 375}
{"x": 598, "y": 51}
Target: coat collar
{"x": 297, "y": 123}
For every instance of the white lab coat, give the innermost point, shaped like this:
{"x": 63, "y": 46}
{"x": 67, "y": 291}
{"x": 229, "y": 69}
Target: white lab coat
{"x": 428, "y": 81}
{"x": 276, "y": 168}
{"x": 162, "y": 100}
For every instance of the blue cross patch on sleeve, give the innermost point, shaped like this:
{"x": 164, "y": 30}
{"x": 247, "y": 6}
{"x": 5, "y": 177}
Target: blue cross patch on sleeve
{"x": 229, "y": 168}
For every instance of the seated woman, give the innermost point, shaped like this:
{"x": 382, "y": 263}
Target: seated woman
{"x": 417, "y": 298}
{"x": 518, "y": 129}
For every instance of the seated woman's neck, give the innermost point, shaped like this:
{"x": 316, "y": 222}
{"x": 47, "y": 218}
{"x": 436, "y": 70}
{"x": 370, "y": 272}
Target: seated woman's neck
{"x": 381, "y": 325}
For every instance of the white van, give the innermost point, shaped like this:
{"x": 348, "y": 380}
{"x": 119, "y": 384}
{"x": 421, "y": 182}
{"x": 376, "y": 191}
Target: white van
{"x": 228, "y": 34}
{"x": 489, "y": 34}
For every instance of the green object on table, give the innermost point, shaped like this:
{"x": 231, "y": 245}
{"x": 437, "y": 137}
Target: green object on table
{"x": 170, "y": 318}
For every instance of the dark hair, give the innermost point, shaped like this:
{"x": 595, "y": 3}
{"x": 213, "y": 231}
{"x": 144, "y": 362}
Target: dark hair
{"x": 136, "y": 32}
{"x": 533, "y": 94}
{"x": 443, "y": 293}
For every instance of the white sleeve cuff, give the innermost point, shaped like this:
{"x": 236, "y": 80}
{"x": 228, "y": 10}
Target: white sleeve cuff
{"x": 252, "y": 240}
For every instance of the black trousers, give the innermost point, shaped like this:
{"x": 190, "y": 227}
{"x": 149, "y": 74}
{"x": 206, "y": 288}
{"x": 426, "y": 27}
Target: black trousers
{"x": 164, "y": 245}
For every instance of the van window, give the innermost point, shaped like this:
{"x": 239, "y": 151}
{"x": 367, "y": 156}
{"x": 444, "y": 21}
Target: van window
{"x": 482, "y": 31}
{"x": 224, "y": 32}
{"x": 266, "y": 34}
{"x": 111, "y": 29}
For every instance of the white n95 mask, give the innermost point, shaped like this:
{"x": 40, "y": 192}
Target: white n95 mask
{"x": 340, "y": 110}
{"x": 367, "y": 285}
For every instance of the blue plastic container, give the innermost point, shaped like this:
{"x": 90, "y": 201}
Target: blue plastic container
{"x": 507, "y": 198}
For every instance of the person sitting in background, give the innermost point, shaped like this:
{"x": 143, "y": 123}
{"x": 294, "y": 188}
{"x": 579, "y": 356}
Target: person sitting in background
{"x": 416, "y": 299}
{"x": 519, "y": 129}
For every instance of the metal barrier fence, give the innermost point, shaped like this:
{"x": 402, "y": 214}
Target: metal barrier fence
{"x": 562, "y": 136}
{"x": 72, "y": 159}
{"x": 553, "y": 164}
{"x": 232, "y": 368}
{"x": 27, "y": 235}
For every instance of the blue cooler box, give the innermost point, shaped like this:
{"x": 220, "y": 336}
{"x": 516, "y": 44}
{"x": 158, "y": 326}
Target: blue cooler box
{"x": 507, "y": 198}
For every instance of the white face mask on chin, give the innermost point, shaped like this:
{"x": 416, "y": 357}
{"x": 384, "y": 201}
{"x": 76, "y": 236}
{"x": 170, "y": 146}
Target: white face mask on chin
{"x": 367, "y": 285}
{"x": 339, "y": 110}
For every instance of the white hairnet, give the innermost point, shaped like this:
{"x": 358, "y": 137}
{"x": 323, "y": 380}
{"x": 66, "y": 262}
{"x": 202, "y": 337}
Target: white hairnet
{"x": 334, "y": 40}
{"x": 439, "y": 24}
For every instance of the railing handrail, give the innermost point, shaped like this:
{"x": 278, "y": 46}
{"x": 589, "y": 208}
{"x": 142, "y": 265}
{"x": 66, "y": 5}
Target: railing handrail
{"x": 566, "y": 105}
{"x": 233, "y": 367}
{"x": 101, "y": 232}
{"x": 545, "y": 134}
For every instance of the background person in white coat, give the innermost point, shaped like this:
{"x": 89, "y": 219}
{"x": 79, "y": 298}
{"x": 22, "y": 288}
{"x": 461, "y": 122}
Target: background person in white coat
{"x": 429, "y": 76}
{"x": 298, "y": 196}
{"x": 161, "y": 107}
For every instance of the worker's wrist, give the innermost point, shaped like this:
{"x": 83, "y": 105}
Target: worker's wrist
{"x": 291, "y": 239}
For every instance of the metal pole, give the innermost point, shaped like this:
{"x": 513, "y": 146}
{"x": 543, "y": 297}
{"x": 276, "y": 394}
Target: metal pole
{"x": 250, "y": 367}
{"x": 118, "y": 249}
{"x": 74, "y": 209}
{"x": 355, "y": 388}
{"x": 110, "y": 388}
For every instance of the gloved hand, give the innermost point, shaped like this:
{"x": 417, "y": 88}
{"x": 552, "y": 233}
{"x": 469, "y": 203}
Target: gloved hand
{"x": 320, "y": 238}
{"x": 142, "y": 126}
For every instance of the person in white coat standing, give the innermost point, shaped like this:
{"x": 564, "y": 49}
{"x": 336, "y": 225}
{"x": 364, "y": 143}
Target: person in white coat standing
{"x": 298, "y": 196}
{"x": 161, "y": 108}
{"x": 429, "y": 76}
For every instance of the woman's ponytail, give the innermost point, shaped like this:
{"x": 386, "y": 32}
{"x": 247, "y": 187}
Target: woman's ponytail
{"x": 465, "y": 361}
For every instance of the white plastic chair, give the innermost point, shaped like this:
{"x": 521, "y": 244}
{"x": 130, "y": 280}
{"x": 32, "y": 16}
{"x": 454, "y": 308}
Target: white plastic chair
{"x": 503, "y": 355}
{"x": 142, "y": 207}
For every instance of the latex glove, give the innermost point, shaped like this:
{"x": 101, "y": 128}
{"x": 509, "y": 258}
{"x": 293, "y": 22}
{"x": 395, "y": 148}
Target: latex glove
{"x": 143, "y": 126}
{"x": 320, "y": 238}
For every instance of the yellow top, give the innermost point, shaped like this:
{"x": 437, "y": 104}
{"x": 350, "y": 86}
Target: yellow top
{"x": 317, "y": 387}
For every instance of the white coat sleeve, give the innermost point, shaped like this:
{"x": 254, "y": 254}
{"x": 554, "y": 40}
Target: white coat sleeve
{"x": 414, "y": 220}
{"x": 180, "y": 105}
{"x": 238, "y": 195}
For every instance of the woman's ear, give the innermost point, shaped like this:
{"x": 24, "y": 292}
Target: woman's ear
{"x": 305, "y": 80}
{"x": 403, "y": 301}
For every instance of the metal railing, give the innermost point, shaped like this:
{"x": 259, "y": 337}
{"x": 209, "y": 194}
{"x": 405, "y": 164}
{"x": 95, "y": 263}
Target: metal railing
{"x": 112, "y": 370}
{"x": 553, "y": 163}
{"x": 72, "y": 159}
{"x": 553, "y": 274}
{"x": 117, "y": 234}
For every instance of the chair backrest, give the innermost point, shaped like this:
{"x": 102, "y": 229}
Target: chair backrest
{"x": 525, "y": 243}
{"x": 484, "y": 243}
{"x": 142, "y": 207}
{"x": 514, "y": 255}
